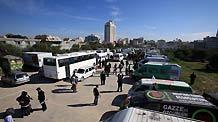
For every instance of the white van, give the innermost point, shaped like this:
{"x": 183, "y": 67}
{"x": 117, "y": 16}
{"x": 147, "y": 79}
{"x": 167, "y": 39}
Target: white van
{"x": 118, "y": 57}
{"x": 85, "y": 72}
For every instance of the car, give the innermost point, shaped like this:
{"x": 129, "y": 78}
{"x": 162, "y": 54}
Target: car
{"x": 85, "y": 72}
{"x": 159, "y": 85}
{"x": 16, "y": 78}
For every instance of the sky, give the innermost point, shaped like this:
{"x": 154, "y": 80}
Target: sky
{"x": 152, "y": 19}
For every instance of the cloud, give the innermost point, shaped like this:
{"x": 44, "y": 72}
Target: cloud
{"x": 115, "y": 11}
{"x": 68, "y": 15}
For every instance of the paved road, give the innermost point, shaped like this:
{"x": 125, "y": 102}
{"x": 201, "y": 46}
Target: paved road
{"x": 64, "y": 106}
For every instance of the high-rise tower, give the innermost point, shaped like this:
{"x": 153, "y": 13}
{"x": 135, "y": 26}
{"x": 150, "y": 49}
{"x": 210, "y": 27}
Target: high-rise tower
{"x": 217, "y": 34}
{"x": 109, "y": 32}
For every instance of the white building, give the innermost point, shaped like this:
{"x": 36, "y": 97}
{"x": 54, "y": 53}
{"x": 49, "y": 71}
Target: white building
{"x": 22, "y": 43}
{"x": 92, "y": 38}
{"x": 110, "y": 32}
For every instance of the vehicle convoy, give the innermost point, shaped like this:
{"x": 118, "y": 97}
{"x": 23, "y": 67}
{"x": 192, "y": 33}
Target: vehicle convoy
{"x": 11, "y": 67}
{"x": 34, "y": 59}
{"x": 180, "y": 104}
{"x": 159, "y": 85}
{"x": 85, "y": 72}
{"x": 159, "y": 70}
{"x": 62, "y": 66}
{"x": 145, "y": 115}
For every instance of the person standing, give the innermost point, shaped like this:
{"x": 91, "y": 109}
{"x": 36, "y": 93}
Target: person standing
{"x": 74, "y": 81}
{"x": 192, "y": 78}
{"x": 103, "y": 77}
{"x": 122, "y": 62}
{"x": 109, "y": 67}
{"x": 127, "y": 63}
{"x": 120, "y": 67}
{"x": 8, "y": 115}
{"x": 115, "y": 69}
{"x": 96, "y": 95}
{"x": 24, "y": 102}
{"x": 41, "y": 98}
{"x": 120, "y": 82}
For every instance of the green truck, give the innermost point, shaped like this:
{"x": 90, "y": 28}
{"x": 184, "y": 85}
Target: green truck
{"x": 159, "y": 70}
{"x": 10, "y": 63}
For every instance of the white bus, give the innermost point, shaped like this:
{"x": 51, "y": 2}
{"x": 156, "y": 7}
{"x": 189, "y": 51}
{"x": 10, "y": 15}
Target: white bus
{"x": 63, "y": 66}
{"x": 35, "y": 59}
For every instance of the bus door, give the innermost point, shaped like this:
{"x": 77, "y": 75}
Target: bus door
{"x": 67, "y": 69}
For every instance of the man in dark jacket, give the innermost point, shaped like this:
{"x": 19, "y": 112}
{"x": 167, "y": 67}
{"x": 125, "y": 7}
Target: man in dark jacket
{"x": 103, "y": 77}
{"x": 24, "y": 102}
{"x": 41, "y": 98}
{"x": 96, "y": 95}
{"x": 120, "y": 82}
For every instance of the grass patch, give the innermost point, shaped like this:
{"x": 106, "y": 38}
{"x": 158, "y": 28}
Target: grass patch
{"x": 205, "y": 80}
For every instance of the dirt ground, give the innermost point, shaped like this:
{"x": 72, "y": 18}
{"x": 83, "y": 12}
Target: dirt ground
{"x": 63, "y": 105}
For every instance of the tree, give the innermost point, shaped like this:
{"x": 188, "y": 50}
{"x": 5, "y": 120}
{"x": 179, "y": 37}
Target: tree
{"x": 213, "y": 61}
{"x": 8, "y": 49}
{"x": 75, "y": 48}
{"x": 9, "y": 35}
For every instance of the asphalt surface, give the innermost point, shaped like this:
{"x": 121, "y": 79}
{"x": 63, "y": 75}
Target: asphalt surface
{"x": 63, "y": 105}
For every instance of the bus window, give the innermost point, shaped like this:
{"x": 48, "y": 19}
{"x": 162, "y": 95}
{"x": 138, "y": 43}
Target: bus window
{"x": 49, "y": 62}
{"x": 62, "y": 62}
{"x": 86, "y": 57}
{"x": 174, "y": 72}
{"x": 152, "y": 70}
{"x": 71, "y": 60}
{"x": 163, "y": 71}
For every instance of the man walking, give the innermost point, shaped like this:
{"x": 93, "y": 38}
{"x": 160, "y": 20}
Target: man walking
{"x": 41, "y": 98}
{"x": 192, "y": 78}
{"x": 103, "y": 77}
{"x": 120, "y": 82}
{"x": 96, "y": 95}
{"x": 74, "y": 81}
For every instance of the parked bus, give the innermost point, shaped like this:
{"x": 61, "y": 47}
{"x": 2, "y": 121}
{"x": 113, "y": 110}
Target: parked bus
{"x": 34, "y": 59}
{"x": 159, "y": 85}
{"x": 145, "y": 115}
{"x": 63, "y": 66}
{"x": 159, "y": 70}
{"x": 180, "y": 104}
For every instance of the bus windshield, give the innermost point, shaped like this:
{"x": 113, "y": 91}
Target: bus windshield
{"x": 49, "y": 61}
